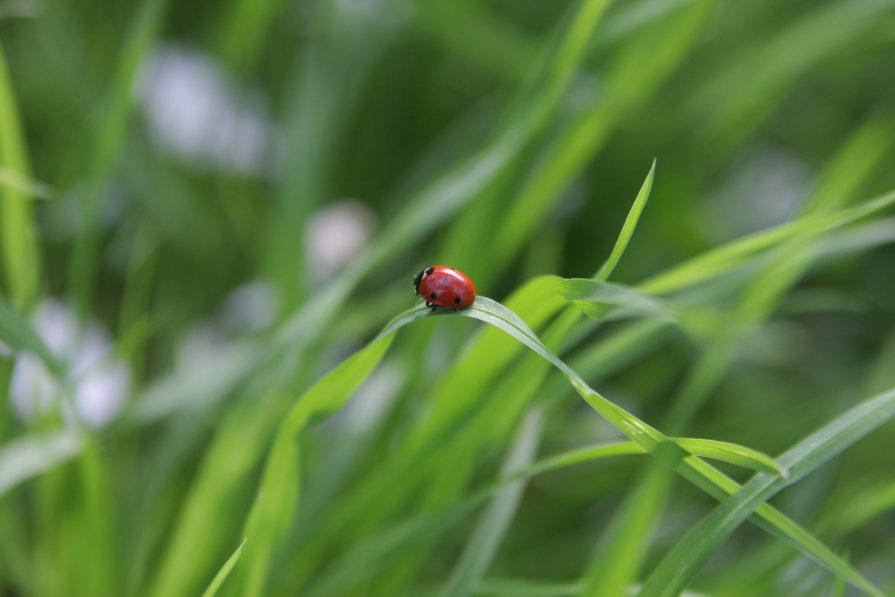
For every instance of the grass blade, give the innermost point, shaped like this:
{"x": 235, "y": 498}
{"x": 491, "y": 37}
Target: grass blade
{"x": 28, "y": 456}
{"x": 692, "y": 551}
{"x": 18, "y": 335}
{"x": 485, "y": 539}
{"x": 137, "y": 43}
{"x": 627, "y": 231}
{"x": 275, "y": 505}
{"x": 654, "y": 442}
{"x": 732, "y": 453}
{"x": 18, "y": 243}
{"x": 224, "y": 572}
{"x": 736, "y": 253}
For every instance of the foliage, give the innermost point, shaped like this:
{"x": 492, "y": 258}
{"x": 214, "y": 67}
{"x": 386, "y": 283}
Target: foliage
{"x": 678, "y": 217}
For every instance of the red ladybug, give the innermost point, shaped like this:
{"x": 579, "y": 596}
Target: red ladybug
{"x": 443, "y": 286}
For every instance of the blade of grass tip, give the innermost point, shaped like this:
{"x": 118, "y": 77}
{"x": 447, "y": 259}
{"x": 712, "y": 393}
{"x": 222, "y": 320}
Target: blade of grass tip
{"x": 685, "y": 560}
{"x": 482, "y": 546}
{"x": 627, "y": 231}
{"x": 138, "y": 41}
{"x": 18, "y": 243}
{"x": 218, "y": 581}
{"x": 694, "y": 470}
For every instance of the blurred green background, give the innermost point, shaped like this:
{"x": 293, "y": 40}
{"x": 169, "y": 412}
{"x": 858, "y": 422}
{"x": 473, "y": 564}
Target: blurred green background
{"x": 206, "y": 206}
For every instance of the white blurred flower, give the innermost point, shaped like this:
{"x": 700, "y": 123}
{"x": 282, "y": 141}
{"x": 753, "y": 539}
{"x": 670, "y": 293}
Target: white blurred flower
{"x": 765, "y": 189}
{"x": 336, "y": 234}
{"x": 100, "y": 383}
{"x": 195, "y": 111}
{"x": 248, "y": 308}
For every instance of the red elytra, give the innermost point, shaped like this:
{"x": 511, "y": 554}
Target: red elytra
{"x": 443, "y": 286}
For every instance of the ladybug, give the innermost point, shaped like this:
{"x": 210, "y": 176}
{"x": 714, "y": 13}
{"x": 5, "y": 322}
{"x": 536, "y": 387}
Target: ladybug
{"x": 442, "y": 286}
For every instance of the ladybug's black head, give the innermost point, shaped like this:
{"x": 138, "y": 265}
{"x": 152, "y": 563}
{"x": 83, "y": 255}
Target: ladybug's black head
{"x": 419, "y": 278}
{"x": 416, "y": 281}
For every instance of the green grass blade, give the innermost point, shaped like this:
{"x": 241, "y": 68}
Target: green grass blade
{"x": 18, "y": 335}
{"x": 218, "y": 581}
{"x": 772, "y": 67}
{"x": 18, "y": 244}
{"x": 485, "y": 539}
{"x": 686, "y": 559}
{"x": 25, "y": 457}
{"x": 627, "y": 231}
{"x": 138, "y": 42}
{"x": 605, "y": 300}
{"x": 698, "y": 472}
{"x": 368, "y": 557}
{"x": 272, "y": 512}
{"x": 736, "y": 253}
{"x": 732, "y": 453}
{"x": 632, "y": 77}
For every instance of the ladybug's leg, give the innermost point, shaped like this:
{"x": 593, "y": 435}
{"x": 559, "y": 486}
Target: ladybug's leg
{"x": 427, "y": 304}
{"x": 432, "y": 307}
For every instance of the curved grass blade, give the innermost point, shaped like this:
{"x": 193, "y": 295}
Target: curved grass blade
{"x": 693, "y": 469}
{"x": 687, "y": 557}
{"x": 219, "y": 578}
{"x": 732, "y": 453}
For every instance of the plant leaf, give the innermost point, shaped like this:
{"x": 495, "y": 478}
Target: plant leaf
{"x": 224, "y": 572}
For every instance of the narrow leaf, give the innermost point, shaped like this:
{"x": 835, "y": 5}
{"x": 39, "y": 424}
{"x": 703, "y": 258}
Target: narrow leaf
{"x": 224, "y": 572}
{"x": 627, "y": 231}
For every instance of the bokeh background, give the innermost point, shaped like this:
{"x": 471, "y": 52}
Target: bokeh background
{"x": 205, "y": 206}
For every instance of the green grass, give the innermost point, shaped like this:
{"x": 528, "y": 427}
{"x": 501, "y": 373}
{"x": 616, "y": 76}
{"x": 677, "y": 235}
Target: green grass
{"x": 678, "y": 215}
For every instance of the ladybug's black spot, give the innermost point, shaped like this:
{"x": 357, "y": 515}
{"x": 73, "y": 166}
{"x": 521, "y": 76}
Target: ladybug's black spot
{"x": 457, "y": 301}
{"x": 432, "y": 296}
